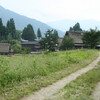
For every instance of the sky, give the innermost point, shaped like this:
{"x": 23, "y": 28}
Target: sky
{"x": 53, "y": 10}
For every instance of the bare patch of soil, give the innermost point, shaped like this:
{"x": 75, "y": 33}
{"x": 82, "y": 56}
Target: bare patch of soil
{"x": 96, "y": 93}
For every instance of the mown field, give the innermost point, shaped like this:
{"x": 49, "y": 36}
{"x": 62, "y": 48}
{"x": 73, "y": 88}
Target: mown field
{"x": 23, "y": 74}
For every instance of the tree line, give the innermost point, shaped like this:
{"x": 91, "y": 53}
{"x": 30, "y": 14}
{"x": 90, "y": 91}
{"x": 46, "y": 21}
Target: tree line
{"x": 9, "y": 32}
{"x": 50, "y": 39}
{"x": 29, "y": 34}
{"x": 76, "y": 27}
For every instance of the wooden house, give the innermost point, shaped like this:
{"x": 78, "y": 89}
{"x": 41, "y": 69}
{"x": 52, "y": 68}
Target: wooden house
{"x": 4, "y": 48}
{"x": 77, "y": 36}
{"x": 33, "y": 45}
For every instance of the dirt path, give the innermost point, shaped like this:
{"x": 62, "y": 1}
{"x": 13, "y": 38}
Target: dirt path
{"x": 96, "y": 93}
{"x": 47, "y": 92}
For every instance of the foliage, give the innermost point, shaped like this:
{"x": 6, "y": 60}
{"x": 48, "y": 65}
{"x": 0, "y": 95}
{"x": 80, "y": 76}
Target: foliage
{"x": 27, "y": 66}
{"x": 56, "y": 34}
{"x": 3, "y": 72}
{"x": 11, "y": 28}
{"x": 83, "y": 86}
{"x": 27, "y": 73}
{"x": 67, "y": 43}
{"x": 91, "y": 38}
{"x": 2, "y": 30}
{"x": 28, "y": 33}
{"x": 11, "y": 42}
{"x": 9, "y": 32}
{"x": 50, "y": 40}
{"x": 76, "y": 27}
{"x": 39, "y": 35}
{"x": 18, "y": 34}
{"x": 43, "y": 43}
{"x": 16, "y": 48}
{"x": 25, "y": 50}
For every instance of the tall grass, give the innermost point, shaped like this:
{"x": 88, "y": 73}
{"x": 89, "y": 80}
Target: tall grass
{"x": 18, "y": 68}
{"x": 83, "y": 87}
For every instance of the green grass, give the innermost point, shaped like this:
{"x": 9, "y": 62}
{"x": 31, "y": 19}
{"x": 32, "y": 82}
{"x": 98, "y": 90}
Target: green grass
{"x": 24, "y": 74}
{"x": 82, "y": 88}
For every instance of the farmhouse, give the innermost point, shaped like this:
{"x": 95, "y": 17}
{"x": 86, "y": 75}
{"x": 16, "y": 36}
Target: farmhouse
{"x": 60, "y": 41}
{"x": 33, "y": 45}
{"x": 4, "y": 48}
{"x": 77, "y": 36}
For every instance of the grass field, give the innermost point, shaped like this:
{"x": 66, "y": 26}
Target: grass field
{"x": 23, "y": 74}
{"x": 82, "y": 88}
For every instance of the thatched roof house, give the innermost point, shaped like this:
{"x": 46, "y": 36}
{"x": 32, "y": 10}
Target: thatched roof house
{"x": 77, "y": 36}
{"x": 4, "y": 48}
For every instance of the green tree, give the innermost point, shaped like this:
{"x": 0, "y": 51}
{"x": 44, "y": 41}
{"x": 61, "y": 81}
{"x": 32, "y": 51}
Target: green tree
{"x": 43, "y": 43}
{"x": 11, "y": 28}
{"x": 3, "y": 32}
{"x": 18, "y": 34}
{"x": 1, "y": 29}
{"x": 76, "y": 27}
{"x": 28, "y": 33}
{"x": 71, "y": 29}
{"x": 39, "y": 35}
{"x": 49, "y": 41}
{"x": 67, "y": 43}
{"x": 91, "y": 38}
{"x": 56, "y": 35}
{"x": 24, "y": 33}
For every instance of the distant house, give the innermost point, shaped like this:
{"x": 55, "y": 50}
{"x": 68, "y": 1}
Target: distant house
{"x": 77, "y": 36}
{"x": 60, "y": 41}
{"x": 4, "y": 48}
{"x": 33, "y": 45}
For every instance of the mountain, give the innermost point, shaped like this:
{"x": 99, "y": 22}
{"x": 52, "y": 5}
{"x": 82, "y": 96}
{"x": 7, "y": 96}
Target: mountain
{"x": 23, "y": 21}
{"x": 64, "y": 25}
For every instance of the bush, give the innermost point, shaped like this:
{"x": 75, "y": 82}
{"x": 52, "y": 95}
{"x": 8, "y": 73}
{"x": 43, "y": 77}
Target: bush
{"x": 17, "y": 48}
{"x": 26, "y": 50}
{"x": 67, "y": 43}
{"x": 91, "y": 38}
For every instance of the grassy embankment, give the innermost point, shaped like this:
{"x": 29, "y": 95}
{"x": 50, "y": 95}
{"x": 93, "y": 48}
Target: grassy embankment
{"x": 22, "y": 75}
{"x": 81, "y": 88}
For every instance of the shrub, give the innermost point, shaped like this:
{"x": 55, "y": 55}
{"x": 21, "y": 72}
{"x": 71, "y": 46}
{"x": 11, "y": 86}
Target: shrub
{"x": 25, "y": 50}
{"x": 17, "y": 48}
{"x": 67, "y": 43}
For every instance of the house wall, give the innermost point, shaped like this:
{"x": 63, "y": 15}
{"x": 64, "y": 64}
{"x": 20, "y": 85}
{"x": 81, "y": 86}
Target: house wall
{"x": 32, "y": 47}
{"x": 4, "y": 48}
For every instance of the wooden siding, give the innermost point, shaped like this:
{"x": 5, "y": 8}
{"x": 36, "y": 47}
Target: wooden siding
{"x": 4, "y": 47}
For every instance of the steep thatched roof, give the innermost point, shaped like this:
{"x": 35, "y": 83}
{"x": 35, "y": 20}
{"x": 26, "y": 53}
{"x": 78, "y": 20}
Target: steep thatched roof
{"x": 77, "y": 36}
{"x": 4, "y": 47}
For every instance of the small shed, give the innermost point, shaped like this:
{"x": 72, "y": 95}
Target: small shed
{"x": 4, "y": 48}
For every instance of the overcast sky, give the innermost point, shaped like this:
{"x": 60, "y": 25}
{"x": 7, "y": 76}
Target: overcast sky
{"x": 52, "y": 10}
